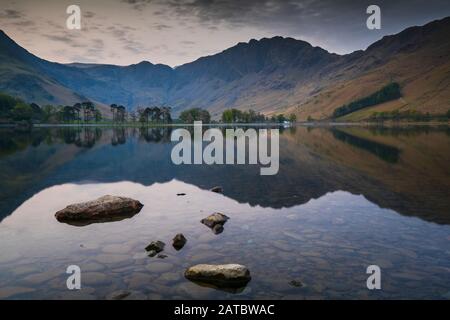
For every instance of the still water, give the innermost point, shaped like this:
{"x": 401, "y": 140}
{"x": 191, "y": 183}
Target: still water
{"x": 344, "y": 198}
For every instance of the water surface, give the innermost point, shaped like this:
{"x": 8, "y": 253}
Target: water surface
{"x": 344, "y": 198}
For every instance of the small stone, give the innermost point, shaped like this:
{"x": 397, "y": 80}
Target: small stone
{"x": 156, "y": 246}
{"x": 296, "y": 283}
{"x": 162, "y": 256}
{"x": 227, "y": 275}
{"x": 179, "y": 241}
{"x": 126, "y": 295}
{"x": 217, "y": 189}
{"x": 181, "y": 194}
{"x": 118, "y": 295}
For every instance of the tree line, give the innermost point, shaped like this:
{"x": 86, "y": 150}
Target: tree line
{"x": 408, "y": 115}
{"x": 387, "y": 93}
{"x": 251, "y": 116}
{"x": 16, "y": 110}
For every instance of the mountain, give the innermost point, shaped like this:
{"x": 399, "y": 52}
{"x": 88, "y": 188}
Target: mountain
{"x": 269, "y": 75}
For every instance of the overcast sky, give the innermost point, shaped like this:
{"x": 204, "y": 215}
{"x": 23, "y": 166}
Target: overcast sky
{"x": 174, "y": 32}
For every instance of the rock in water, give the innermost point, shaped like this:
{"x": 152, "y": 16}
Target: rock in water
{"x": 215, "y": 218}
{"x": 217, "y": 189}
{"x": 226, "y": 275}
{"x": 155, "y": 246}
{"x": 104, "y": 209}
{"x": 179, "y": 241}
{"x": 215, "y": 222}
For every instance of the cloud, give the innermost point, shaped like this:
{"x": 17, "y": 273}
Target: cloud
{"x": 137, "y": 4}
{"x": 88, "y": 14}
{"x": 11, "y": 14}
{"x": 161, "y": 26}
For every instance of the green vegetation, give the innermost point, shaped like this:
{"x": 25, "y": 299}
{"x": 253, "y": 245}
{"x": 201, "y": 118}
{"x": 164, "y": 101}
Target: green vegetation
{"x": 238, "y": 116}
{"x": 14, "y": 110}
{"x": 146, "y": 115}
{"x": 195, "y": 114}
{"x": 387, "y": 93}
{"x": 408, "y": 115}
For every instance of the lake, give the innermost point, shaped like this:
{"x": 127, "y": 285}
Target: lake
{"x": 345, "y": 198}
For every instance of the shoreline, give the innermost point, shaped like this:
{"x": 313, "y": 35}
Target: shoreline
{"x": 297, "y": 124}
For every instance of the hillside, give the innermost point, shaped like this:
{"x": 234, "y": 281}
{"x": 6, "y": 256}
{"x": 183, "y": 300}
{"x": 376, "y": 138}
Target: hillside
{"x": 269, "y": 75}
{"x": 417, "y": 58}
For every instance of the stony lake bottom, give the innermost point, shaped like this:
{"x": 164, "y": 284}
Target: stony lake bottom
{"x": 344, "y": 198}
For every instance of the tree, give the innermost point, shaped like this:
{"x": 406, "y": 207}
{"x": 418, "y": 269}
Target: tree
{"x": 292, "y": 118}
{"x": 166, "y": 117}
{"x": 113, "y": 110}
{"x": 121, "y": 113}
{"x": 227, "y": 116}
{"x": 77, "y": 109}
{"x": 281, "y": 118}
{"x": 195, "y": 114}
{"x": 22, "y": 112}
{"x": 88, "y": 110}
{"x": 156, "y": 114}
{"x": 49, "y": 113}
{"x": 97, "y": 115}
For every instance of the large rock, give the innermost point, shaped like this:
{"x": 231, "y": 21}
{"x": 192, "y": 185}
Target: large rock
{"x": 104, "y": 209}
{"x": 226, "y": 275}
{"x": 215, "y": 222}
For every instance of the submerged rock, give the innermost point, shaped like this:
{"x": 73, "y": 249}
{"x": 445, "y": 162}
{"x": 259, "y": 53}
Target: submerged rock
{"x": 215, "y": 222}
{"x": 126, "y": 295}
{"x": 155, "y": 247}
{"x": 226, "y": 275}
{"x": 104, "y": 209}
{"x": 179, "y": 241}
{"x": 296, "y": 283}
{"x": 217, "y": 189}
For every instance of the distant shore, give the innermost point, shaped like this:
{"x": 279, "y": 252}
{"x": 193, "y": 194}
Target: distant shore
{"x": 300, "y": 123}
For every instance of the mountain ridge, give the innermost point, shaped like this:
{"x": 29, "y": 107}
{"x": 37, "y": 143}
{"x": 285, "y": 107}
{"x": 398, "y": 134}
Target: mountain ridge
{"x": 269, "y": 75}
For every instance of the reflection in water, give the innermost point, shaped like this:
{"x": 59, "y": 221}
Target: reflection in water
{"x": 402, "y": 169}
{"x": 332, "y": 210}
{"x": 326, "y": 244}
{"x": 384, "y": 152}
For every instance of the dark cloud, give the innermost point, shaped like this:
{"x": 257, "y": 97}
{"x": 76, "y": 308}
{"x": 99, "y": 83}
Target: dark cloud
{"x": 327, "y": 21}
{"x": 11, "y": 14}
{"x": 138, "y": 4}
{"x": 161, "y": 26}
{"x": 88, "y": 14}
{"x": 16, "y": 18}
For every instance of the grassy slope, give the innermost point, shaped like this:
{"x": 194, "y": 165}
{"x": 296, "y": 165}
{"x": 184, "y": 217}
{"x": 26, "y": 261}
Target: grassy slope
{"x": 423, "y": 74}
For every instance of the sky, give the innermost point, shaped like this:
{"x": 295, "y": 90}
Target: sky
{"x": 175, "y": 32}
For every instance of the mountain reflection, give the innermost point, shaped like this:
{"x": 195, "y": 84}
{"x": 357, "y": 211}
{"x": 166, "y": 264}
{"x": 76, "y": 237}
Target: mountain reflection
{"x": 404, "y": 169}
